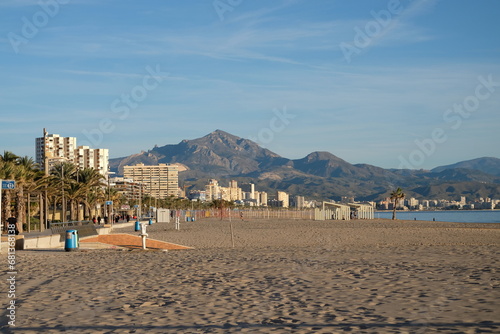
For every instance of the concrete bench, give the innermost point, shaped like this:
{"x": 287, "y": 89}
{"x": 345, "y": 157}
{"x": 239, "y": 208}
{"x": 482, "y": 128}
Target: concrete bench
{"x": 86, "y": 230}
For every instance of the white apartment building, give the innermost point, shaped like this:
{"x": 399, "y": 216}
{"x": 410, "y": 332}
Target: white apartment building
{"x": 97, "y": 158}
{"x": 52, "y": 148}
{"x": 263, "y": 198}
{"x": 300, "y": 202}
{"x": 284, "y": 198}
{"x": 249, "y": 188}
{"x": 212, "y": 190}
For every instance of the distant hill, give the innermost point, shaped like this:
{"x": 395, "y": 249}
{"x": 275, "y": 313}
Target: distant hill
{"x": 319, "y": 175}
{"x": 486, "y": 165}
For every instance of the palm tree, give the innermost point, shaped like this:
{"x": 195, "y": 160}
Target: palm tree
{"x": 61, "y": 174}
{"x": 92, "y": 181}
{"x": 95, "y": 197}
{"x": 396, "y": 196}
{"x": 26, "y": 173}
{"x": 36, "y": 185}
{"x": 74, "y": 192}
{"x": 221, "y": 205}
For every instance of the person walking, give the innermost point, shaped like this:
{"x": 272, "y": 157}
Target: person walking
{"x": 12, "y": 226}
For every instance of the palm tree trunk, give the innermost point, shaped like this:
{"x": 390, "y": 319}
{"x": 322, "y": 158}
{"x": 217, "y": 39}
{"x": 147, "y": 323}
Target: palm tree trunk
{"x": 41, "y": 210}
{"x": 20, "y": 208}
{"x": 70, "y": 207}
{"x": 54, "y": 209}
{"x": 28, "y": 219}
{"x": 394, "y": 210}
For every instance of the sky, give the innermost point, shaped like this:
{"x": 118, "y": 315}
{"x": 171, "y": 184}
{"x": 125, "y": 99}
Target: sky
{"x": 395, "y": 83}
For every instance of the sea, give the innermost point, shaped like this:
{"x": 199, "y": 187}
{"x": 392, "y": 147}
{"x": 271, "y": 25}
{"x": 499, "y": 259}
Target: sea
{"x": 457, "y": 216}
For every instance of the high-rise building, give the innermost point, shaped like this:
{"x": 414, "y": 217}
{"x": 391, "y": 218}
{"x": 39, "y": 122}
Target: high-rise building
{"x": 299, "y": 202}
{"x": 160, "y": 181}
{"x": 282, "y": 197}
{"x": 52, "y": 149}
{"x": 412, "y": 203}
{"x": 53, "y": 146}
{"x": 97, "y": 158}
{"x": 263, "y": 198}
{"x": 235, "y": 193}
{"x": 212, "y": 190}
{"x": 249, "y": 188}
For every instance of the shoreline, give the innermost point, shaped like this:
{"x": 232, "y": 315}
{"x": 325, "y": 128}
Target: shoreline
{"x": 441, "y": 210}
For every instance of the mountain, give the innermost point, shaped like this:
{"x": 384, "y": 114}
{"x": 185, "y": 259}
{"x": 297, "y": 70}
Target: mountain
{"x": 486, "y": 165}
{"x": 318, "y": 175}
{"x": 218, "y": 153}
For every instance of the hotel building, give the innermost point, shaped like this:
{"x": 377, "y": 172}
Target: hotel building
{"x": 159, "y": 181}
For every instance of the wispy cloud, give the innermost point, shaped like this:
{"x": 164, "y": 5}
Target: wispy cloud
{"x": 251, "y": 18}
{"x": 105, "y": 74}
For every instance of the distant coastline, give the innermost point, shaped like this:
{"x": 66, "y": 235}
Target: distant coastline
{"x": 457, "y": 216}
{"x": 437, "y": 209}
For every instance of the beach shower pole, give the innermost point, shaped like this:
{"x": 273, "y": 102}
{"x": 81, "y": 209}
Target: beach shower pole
{"x": 143, "y": 235}
{"x": 231, "y": 228}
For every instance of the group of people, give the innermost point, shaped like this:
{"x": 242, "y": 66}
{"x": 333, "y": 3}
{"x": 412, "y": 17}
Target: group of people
{"x": 116, "y": 219}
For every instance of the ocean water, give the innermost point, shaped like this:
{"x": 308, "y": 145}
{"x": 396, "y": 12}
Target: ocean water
{"x": 458, "y": 216}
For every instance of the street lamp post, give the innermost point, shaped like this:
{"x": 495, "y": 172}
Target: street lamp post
{"x": 63, "y": 218}
{"x": 45, "y": 195}
{"x": 108, "y": 205}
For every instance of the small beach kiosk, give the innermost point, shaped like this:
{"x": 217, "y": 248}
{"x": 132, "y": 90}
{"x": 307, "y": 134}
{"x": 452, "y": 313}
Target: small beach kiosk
{"x": 362, "y": 211}
{"x": 334, "y": 211}
{"x": 338, "y": 211}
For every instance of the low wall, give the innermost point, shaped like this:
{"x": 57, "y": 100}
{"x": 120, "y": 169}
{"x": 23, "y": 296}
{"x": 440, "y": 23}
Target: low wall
{"x": 45, "y": 241}
{"x": 54, "y": 240}
{"x": 5, "y": 243}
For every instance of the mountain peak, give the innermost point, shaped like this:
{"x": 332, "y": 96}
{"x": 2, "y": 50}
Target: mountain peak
{"x": 321, "y": 156}
{"x": 489, "y": 165}
{"x": 221, "y": 133}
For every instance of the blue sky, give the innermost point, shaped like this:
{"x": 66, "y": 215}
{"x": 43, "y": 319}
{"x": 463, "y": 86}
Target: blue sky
{"x": 404, "y": 83}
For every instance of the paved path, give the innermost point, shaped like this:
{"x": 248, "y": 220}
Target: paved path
{"x": 132, "y": 241}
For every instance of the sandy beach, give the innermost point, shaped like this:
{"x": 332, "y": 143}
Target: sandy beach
{"x": 281, "y": 277}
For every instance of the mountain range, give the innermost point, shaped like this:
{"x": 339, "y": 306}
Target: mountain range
{"x": 319, "y": 175}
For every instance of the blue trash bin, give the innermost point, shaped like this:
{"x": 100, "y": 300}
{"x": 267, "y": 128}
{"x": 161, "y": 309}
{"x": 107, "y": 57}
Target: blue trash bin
{"x": 71, "y": 242}
{"x": 150, "y": 221}
{"x": 137, "y": 225}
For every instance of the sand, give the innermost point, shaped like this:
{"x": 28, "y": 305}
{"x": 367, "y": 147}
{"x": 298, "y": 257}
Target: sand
{"x": 281, "y": 277}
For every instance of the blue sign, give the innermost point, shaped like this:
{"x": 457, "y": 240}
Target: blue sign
{"x": 109, "y": 202}
{"x": 8, "y": 184}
